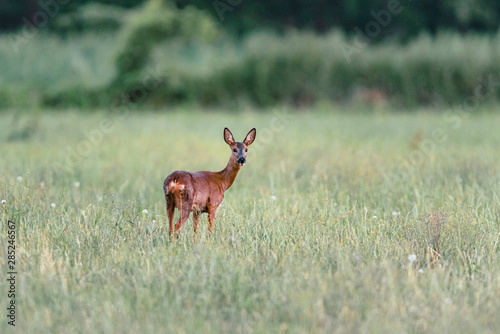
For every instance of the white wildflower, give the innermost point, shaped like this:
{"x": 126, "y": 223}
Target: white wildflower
{"x": 3, "y": 202}
{"x": 273, "y": 198}
{"x": 145, "y": 211}
{"x": 396, "y": 213}
{"x": 52, "y": 205}
{"x": 412, "y": 257}
{"x": 19, "y": 178}
{"x": 374, "y": 217}
{"x": 76, "y": 184}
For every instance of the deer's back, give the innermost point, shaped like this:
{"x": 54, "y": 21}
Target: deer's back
{"x": 204, "y": 188}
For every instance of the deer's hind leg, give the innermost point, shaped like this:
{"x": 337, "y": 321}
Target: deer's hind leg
{"x": 170, "y": 215}
{"x": 170, "y": 202}
{"x": 182, "y": 219}
{"x": 185, "y": 205}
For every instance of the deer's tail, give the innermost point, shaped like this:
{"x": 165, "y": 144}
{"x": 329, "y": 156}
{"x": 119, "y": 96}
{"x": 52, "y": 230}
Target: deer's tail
{"x": 172, "y": 186}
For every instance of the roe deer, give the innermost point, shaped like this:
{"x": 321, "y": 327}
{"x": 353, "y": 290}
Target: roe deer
{"x": 203, "y": 191}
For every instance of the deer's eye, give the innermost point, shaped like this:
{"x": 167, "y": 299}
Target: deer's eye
{"x": 246, "y": 150}
{"x": 235, "y": 150}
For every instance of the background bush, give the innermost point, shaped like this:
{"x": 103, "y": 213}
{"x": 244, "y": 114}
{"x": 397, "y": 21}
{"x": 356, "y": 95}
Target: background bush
{"x": 301, "y": 68}
{"x": 93, "y": 17}
{"x": 101, "y": 54}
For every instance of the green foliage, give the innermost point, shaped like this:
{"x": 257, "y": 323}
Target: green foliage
{"x": 92, "y": 17}
{"x": 83, "y": 97}
{"x": 410, "y": 19}
{"x": 301, "y": 68}
{"x": 157, "y": 22}
{"x": 53, "y": 67}
{"x": 314, "y": 236}
{"x": 263, "y": 69}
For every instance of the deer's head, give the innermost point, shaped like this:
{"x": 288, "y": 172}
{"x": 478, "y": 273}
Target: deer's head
{"x": 239, "y": 149}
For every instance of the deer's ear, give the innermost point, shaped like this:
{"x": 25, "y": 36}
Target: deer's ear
{"x": 250, "y": 137}
{"x": 228, "y": 137}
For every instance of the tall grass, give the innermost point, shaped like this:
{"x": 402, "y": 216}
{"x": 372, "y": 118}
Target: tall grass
{"x": 315, "y": 234}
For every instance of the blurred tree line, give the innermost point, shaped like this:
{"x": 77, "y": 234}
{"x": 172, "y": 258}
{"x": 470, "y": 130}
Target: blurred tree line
{"x": 240, "y": 16}
{"x": 285, "y": 51}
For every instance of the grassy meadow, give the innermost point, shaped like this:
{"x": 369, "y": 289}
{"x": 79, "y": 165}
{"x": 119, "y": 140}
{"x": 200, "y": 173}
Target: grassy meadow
{"x": 340, "y": 222}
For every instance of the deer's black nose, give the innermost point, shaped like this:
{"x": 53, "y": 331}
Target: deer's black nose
{"x": 241, "y": 161}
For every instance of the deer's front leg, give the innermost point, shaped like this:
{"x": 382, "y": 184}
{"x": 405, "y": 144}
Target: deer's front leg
{"x": 195, "y": 224}
{"x": 211, "y": 217}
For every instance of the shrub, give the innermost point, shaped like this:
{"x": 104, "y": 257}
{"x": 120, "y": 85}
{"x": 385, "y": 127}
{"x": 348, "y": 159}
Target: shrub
{"x": 157, "y": 22}
{"x": 92, "y": 17}
{"x": 297, "y": 68}
{"x": 301, "y": 67}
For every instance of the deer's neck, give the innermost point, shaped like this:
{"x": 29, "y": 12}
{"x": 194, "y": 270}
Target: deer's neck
{"x": 229, "y": 173}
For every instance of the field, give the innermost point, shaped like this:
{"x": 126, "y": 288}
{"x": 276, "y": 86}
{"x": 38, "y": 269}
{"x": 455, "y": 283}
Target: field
{"x": 340, "y": 222}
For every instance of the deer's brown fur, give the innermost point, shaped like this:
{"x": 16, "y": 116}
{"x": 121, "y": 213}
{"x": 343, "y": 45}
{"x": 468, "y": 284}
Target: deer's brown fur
{"x": 202, "y": 192}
